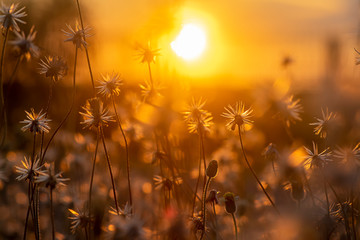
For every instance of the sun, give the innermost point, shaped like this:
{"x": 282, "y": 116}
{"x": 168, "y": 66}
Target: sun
{"x": 190, "y": 43}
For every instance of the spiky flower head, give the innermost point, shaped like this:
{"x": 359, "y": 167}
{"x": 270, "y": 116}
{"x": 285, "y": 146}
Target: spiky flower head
{"x": 109, "y": 85}
{"x": 230, "y": 205}
{"x": 237, "y": 116}
{"x": 150, "y": 90}
{"x": 212, "y": 169}
{"x": 10, "y": 17}
{"x": 79, "y": 220}
{"x": 53, "y": 67}
{"x": 77, "y": 35}
{"x": 95, "y": 114}
{"x": 314, "y": 158}
{"x": 322, "y": 124}
{"x": 24, "y": 45}
{"x": 290, "y": 110}
{"x": 166, "y": 183}
{"x": 126, "y": 212}
{"x": 36, "y": 123}
{"x": 121, "y": 228}
{"x": 49, "y": 179}
{"x": 28, "y": 170}
{"x": 147, "y": 54}
{"x": 348, "y": 154}
{"x": 198, "y": 119}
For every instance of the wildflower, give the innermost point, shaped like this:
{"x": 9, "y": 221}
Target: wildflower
{"x": 50, "y": 179}
{"x": 53, "y": 67}
{"x": 163, "y": 182}
{"x": 213, "y": 197}
{"x": 322, "y": 124}
{"x": 343, "y": 210}
{"x": 271, "y": 153}
{"x": 24, "y": 45}
{"x": 237, "y": 115}
{"x": 230, "y": 205}
{"x": 95, "y": 114}
{"x": 110, "y": 85}
{"x": 77, "y": 35}
{"x": 290, "y": 110}
{"x": 10, "y": 17}
{"x": 125, "y": 212}
{"x": 151, "y": 90}
{"x": 348, "y": 154}
{"x": 198, "y": 119}
{"x": 146, "y": 54}
{"x": 28, "y": 170}
{"x": 212, "y": 169}
{"x": 79, "y": 220}
{"x": 314, "y": 158}
{"x": 36, "y": 122}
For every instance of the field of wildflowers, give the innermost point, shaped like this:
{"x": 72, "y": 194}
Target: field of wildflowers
{"x": 110, "y": 159}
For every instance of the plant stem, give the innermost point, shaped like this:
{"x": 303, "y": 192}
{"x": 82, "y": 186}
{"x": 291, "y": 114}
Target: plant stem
{"x": 198, "y": 180}
{"x": 52, "y": 214}
{"x": 127, "y": 152}
{"x": 2, "y": 106}
{"x": 150, "y": 75}
{"x": 86, "y": 51}
{"x": 92, "y": 172}
{"x": 204, "y": 206}
{"x": 110, "y": 171}
{"x": 234, "y": 220}
{"x": 46, "y": 114}
{"x": 254, "y": 174}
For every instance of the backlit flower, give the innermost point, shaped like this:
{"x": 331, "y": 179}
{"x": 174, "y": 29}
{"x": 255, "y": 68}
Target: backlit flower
{"x": 290, "y": 110}
{"x": 50, "y": 179}
{"x": 78, "y": 220}
{"x": 26, "y": 171}
{"x": 53, "y": 67}
{"x": 314, "y": 158}
{"x": 95, "y": 114}
{"x": 146, "y": 54}
{"x": 198, "y": 119}
{"x": 24, "y": 45}
{"x": 10, "y": 16}
{"x": 110, "y": 85}
{"x": 77, "y": 35}
{"x": 238, "y": 116}
{"x": 348, "y": 154}
{"x": 322, "y": 124}
{"x": 36, "y": 122}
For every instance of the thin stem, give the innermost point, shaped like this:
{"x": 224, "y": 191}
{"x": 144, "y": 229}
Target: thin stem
{"x": 254, "y": 174}
{"x": 67, "y": 114}
{"x": 2, "y": 106}
{"x": 46, "y": 114}
{"x": 93, "y": 171}
{"x": 52, "y": 214}
{"x": 203, "y": 155}
{"x": 150, "y": 75}
{"x": 235, "y": 225}
{"x": 198, "y": 180}
{"x": 327, "y": 197}
{"x": 204, "y": 207}
{"x": 110, "y": 171}
{"x": 86, "y": 51}
{"x": 126, "y": 150}
{"x": 216, "y": 223}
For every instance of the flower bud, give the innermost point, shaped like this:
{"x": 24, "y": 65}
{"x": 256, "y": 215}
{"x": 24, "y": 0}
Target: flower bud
{"x": 212, "y": 169}
{"x": 230, "y": 205}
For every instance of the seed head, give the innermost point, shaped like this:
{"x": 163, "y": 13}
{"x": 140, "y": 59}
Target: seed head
{"x": 78, "y": 220}
{"x": 314, "y": 158}
{"x": 49, "y": 179}
{"x": 53, "y": 67}
{"x": 290, "y": 110}
{"x": 77, "y": 35}
{"x": 10, "y": 17}
{"x": 109, "y": 85}
{"x": 147, "y": 54}
{"x": 36, "y": 123}
{"x": 24, "y": 45}
{"x": 237, "y": 116}
{"x": 198, "y": 119}
{"x": 28, "y": 170}
{"x": 322, "y": 124}
{"x": 95, "y": 114}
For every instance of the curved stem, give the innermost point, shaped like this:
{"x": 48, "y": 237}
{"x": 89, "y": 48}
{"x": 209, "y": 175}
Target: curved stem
{"x": 254, "y": 174}
{"x": 127, "y": 151}
{"x": 67, "y": 114}
{"x": 110, "y": 171}
{"x": 198, "y": 180}
{"x": 150, "y": 75}
{"x": 86, "y": 51}
{"x": 235, "y": 225}
{"x": 92, "y": 172}
{"x": 46, "y": 114}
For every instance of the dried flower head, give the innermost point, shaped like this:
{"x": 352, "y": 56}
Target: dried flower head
{"x": 28, "y": 170}
{"x": 78, "y": 220}
{"x": 314, "y": 158}
{"x": 24, "y": 45}
{"x": 212, "y": 169}
{"x": 343, "y": 210}
{"x": 198, "y": 119}
{"x": 213, "y": 197}
{"x": 151, "y": 90}
{"x": 109, "y": 85}
{"x": 348, "y": 154}
{"x": 125, "y": 212}
{"x": 51, "y": 180}
{"x": 271, "y": 153}
{"x": 36, "y": 123}
{"x": 230, "y": 205}
{"x": 121, "y": 228}
{"x": 167, "y": 183}
{"x": 238, "y": 116}
{"x": 322, "y": 124}
{"x": 290, "y": 110}
{"x": 77, "y": 35}
{"x": 147, "y": 54}
{"x": 53, "y": 67}
{"x": 10, "y": 17}
{"x": 95, "y": 114}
